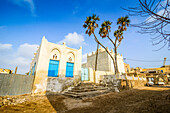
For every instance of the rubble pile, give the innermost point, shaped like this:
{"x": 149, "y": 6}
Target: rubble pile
{"x": 11, "y": 100}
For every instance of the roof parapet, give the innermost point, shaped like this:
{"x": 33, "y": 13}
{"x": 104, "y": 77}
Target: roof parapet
{"x": 64, "y": 43}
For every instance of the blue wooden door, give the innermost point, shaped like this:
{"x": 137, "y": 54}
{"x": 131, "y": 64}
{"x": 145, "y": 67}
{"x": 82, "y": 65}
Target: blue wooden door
{"x": 84, "y": 74}
{"x": 53, "y": 68}
{"x": 69, "y": 69}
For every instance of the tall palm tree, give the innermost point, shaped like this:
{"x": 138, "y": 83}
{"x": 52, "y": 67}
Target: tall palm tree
{"x": 119, "y": 36}
{"x": 122, "y": 22}
{"x": 104, "y": 32}
{"x": 91, "y": 25}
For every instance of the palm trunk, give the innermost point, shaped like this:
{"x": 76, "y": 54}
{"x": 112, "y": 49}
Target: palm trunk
{"x": 116, "y": 67}
{"x": 94, "y": 77}
{"x": 116, "y": 63}
{"x": 96, "y": 57}
{"x": 106, "y": 51}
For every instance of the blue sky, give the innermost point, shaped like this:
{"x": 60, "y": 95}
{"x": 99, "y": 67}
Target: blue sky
{"x": 23, "y": 23}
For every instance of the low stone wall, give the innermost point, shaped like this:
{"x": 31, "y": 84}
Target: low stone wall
{"x": 15, "y": 84}
{"x": 113, "y": 82}
{"x": 132, "y": 83}
{"x": 57, "y": 85}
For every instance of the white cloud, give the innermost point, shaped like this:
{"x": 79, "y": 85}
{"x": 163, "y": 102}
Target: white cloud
{"x": 25, "y": 3}
{"x": 5, "y": 46}
{"x": 20, "y": 61}
{"x": 163, "y": 3}
{"x": 31, "y": 5}
{"x": 160, "y": 11}
{"x": 73, "y": 39}
{"x": 27, "y": 50}
{"x": 20, "y": 57}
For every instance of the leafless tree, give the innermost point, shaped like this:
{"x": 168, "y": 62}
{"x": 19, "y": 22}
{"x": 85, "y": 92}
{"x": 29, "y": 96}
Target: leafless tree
{"x": 157, "y": 14}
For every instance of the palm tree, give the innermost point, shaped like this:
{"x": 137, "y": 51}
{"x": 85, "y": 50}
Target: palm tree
{"x": 91, "y": 25}
{"x": 122, "y": 22}
{"x": 104, "y": 32}
{"x": 119, "y": 36}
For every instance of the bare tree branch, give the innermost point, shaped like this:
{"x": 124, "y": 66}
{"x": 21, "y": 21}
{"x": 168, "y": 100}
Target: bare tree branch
{"x": 157, "y": 22}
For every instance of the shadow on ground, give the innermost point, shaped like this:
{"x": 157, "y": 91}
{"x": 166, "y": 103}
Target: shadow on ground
{"x": 142, "y": 100}
{"x": 57, "y": 102}
{"x": 139, "y": 100}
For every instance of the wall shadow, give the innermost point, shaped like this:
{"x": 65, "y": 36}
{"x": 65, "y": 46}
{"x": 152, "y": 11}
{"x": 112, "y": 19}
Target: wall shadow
{"x": 145, "y": 99}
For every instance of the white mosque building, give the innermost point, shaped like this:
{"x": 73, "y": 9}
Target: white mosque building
{"x": 53, "y": 65}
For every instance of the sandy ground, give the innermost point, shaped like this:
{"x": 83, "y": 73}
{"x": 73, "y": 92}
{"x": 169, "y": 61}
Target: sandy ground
{"x": 140, "y": 100}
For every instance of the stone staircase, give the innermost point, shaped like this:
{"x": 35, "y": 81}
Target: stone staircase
{"x": 84, "y": 90}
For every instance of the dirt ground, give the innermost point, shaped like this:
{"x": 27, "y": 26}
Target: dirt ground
{"x": 140, "y": 100}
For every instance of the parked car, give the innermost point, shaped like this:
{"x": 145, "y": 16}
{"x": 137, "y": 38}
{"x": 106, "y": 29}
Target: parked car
{"x": 150, "y": 83}
{"x": 161, "y": 83}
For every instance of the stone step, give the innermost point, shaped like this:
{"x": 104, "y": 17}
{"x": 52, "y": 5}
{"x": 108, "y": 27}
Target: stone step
{"x": 86, "y": 90}
{"x": 85, "y": 94}
{"x": 103, "y": 88}
{"x": 79, "y": 88}
{"x": 84, "y": 84}
{"x": 71, "y": 95}
{"x": 82, "y": 90}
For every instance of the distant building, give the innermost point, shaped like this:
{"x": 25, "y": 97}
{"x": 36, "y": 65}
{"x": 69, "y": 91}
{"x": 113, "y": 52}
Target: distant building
{"x": 157, "y": 75}
{"x": 127, "y": 68}
{"x": 6, "y": 71}
{"x": 54, "y": 65}
{"x": 135, "y": 70}
{"x": 163, "y": 69}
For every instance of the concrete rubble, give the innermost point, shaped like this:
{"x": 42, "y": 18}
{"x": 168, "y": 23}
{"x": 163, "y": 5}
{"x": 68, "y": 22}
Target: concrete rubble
{"x": 11, "y": 100}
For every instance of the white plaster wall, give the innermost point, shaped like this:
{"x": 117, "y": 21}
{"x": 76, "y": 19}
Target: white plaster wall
{"x": 55, "y": 52}
{"x": 121, "y": 67}
{"x": 35, "y": 60}
{"x": 64, "y": 53}
{"x": 104, "y": 62}
{"x": 91, "y": 72}
{"x": 40, "y": 80}
{"x": 99, "y": 75}
{"x": 45, "y": 53}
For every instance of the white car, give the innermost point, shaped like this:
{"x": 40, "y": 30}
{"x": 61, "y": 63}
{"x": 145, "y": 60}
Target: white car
{"x": 150, "y": 83}
{"x": 161, "y": 83}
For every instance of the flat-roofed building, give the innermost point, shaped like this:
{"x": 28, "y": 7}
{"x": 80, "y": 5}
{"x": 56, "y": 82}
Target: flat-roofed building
{"x": 105, "y": 64}
{"x": 55, "y": 66}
